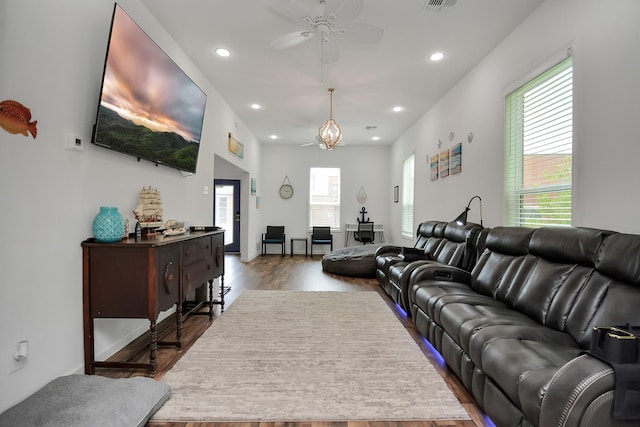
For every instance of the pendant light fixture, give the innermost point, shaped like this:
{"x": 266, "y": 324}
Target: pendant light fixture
{"x": 330, "y": 133}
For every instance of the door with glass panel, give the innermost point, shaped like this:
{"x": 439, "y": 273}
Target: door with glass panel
{"x": 226, "y": 211}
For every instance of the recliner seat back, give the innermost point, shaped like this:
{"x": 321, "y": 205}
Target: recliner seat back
{"x": 569, "y": 279}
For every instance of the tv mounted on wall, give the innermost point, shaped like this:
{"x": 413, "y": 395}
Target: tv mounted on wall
{"x": 149, "y": 108}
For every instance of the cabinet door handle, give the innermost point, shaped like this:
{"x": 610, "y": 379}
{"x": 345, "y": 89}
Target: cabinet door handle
{"x": 218, "y": 256}
{"x": 169, "y": 275}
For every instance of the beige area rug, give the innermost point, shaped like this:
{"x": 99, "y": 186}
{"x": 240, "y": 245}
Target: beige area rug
{"x": 307, "y": 356}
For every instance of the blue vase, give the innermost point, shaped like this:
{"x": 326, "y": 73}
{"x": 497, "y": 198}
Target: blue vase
{"x": 108, "y": 225}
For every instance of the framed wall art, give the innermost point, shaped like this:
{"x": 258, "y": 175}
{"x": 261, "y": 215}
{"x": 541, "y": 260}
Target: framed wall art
{"x": 444, "y": 164}
{"x": 236, "y": 146}
{"x": 433, "y": 163}
{"x": 456, "y": 159}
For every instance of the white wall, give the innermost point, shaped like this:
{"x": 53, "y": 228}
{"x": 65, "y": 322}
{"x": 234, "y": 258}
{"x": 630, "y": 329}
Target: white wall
{"x": 359, "y": 167}
{"x": 606, "y": 66}
{"x": 52, "y": 62}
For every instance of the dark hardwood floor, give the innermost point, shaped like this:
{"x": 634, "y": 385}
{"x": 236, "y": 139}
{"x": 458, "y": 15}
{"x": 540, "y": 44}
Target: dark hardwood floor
{"x": 287, "y": 273}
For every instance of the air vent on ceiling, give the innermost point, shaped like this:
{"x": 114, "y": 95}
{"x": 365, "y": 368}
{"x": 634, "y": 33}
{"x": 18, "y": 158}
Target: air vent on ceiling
{"x": 438, "y": 5}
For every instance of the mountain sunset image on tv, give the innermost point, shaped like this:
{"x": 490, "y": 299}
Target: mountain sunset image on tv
{"x": 149, "y": 108}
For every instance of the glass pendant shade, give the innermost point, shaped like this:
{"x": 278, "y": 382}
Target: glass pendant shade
{"x": 330, "y": 133}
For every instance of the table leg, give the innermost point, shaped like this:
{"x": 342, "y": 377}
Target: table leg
{"x": 153, "y": 347}
{"x": 222, "y": 292}
{"x": 89, "y": 352}
{"x": 179, "y": 326}
{"x": 211, "y": 299}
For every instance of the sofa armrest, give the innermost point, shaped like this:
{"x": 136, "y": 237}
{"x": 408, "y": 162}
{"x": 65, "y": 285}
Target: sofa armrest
{"x": 388, "y": 250}
{"x": 577, "y": 391}
{"x": 413, "y": 254}
{"x": 442, "y": 272}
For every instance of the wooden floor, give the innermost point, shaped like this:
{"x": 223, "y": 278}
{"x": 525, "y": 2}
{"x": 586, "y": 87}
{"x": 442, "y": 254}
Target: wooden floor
{"x": 286, "y": 273}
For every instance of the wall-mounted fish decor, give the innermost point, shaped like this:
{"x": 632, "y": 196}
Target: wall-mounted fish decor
{"x": 15, "y": 118}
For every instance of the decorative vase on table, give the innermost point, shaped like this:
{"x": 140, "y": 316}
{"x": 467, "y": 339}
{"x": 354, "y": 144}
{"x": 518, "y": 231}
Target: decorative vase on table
{"x": 108, "y": 225}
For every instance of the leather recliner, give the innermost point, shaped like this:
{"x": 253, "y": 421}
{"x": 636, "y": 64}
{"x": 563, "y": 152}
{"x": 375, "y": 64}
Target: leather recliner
{"x": 518, "y": 328}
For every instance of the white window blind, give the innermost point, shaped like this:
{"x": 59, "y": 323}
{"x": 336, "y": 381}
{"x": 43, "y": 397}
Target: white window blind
{"x": 539, "y": 140}
{"x": 407, "y": 196}
{"x": 324, "y": 197}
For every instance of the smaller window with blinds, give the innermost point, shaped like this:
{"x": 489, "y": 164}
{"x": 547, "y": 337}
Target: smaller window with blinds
{"x": 539, "y": 149}
{"x": 324, "y": 197}
{"x": 407, "y": 196}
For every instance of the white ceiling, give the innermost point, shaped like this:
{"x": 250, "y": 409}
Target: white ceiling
{"x": 291, "y": 84}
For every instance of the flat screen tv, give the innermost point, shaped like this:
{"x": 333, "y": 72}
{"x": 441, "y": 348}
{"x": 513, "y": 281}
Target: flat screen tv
{"x": 149, "y": 108}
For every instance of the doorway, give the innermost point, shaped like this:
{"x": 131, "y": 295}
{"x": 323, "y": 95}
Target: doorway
{"x": 226, "y": 211}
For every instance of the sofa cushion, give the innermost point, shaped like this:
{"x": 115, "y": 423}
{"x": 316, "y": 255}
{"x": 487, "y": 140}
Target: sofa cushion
{"x": 523, "y": 362}
{"x": 567, "y": 245}
{"x": 619, "y": 258}
{"x": 509, "y": 240}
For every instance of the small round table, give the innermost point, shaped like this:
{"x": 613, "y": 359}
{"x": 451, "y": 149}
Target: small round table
{"x": 299, "y": 239}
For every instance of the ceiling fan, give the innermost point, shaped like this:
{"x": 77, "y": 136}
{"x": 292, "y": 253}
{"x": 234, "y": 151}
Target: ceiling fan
{"x": 328, "y": 19}
{"x": 318, "y": 142}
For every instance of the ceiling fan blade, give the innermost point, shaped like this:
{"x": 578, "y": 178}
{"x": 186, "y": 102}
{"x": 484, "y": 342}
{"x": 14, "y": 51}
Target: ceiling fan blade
{"x": 361, "y": 32}
{"x": 329, "y": 50}
{"x": 291, "y": 39}
{"x": 348, "y": 10}
{"x": 288, "y": 9}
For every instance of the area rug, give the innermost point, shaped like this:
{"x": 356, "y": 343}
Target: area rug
{"x": 307, "y": 356}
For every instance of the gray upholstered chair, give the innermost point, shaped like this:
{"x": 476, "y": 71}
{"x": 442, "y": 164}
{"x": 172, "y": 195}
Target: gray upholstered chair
{"x": 321, "y": 236}
{"x": 275, "y": 236}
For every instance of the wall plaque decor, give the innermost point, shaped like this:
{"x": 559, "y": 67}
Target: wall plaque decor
{"x": 434, "y": 167}
{"x": 444, "y": 163}
{"x": 456, "y": 159}
{"x": 236, "y": 146}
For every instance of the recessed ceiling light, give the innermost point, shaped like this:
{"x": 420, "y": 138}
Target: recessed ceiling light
{"x": 376, "y": 138}
{"x": 274, "y": 137}
{"x": 436, "y": 56}
{"x": 223, "y": 52}
{"x": 256, "y": 106}
{"x": 398, "y": 108}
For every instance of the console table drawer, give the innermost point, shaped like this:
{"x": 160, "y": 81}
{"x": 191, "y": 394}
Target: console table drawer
{"x": 196, "y": 274}
{"x": 196, "y": 249}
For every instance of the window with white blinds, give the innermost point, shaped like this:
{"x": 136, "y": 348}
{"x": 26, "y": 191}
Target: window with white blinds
{"x": 407, "y": 196}
{"x": 539, "y": 140}
{"x": 324, "y": 197}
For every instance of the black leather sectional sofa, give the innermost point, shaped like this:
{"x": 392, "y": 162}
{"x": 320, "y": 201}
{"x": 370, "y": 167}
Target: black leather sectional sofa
{"x": 436, "y": 241}
{"x": 517, "y": 328}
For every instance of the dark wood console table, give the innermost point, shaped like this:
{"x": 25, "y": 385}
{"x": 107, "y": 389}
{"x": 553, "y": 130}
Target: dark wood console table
{"x": 139, "y": 279}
